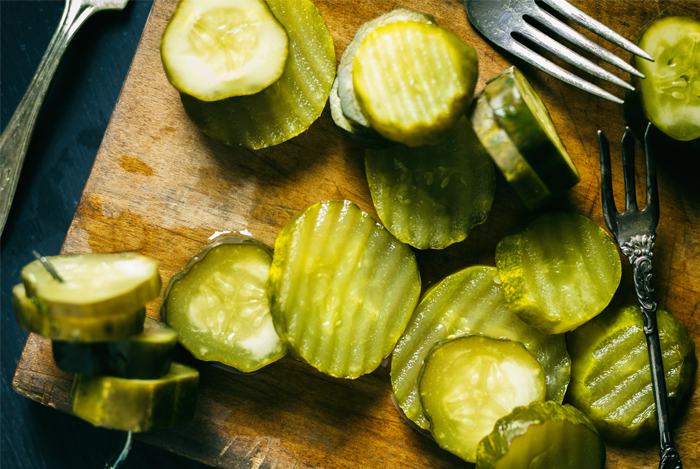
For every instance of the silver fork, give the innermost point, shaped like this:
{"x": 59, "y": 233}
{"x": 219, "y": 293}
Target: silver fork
{"x": 16, "y": 136}
{"x": 499, "y": 20}
{"x": 635, "y": 232}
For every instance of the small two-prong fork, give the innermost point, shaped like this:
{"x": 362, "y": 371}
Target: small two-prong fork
{"x": 635, "y": 231}
{"x": 499, "y": 20}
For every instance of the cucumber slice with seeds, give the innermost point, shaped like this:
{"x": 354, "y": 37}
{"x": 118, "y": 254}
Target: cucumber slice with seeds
{"x": 93, "y": 284}
{"x": 468, "y": 383}
{"x": 470, "y": 301}
{"x": 291, "y": 104}
{"x": 73, "y": 328}
{"x": 413, "y": 81}
{"x": 137, "y": 405}
{"x": 431, "y": 197}
{"x": 610, "y": 375}
{"x": 346, "y": 90}
{"x": 542, "y": 435}
{"x": 341, "y": 288}
{"x": 143, "y": 356}
{"x": 219, "y": 306}
{"x": 558, "y": 270}
{"x": 216, "y": 49}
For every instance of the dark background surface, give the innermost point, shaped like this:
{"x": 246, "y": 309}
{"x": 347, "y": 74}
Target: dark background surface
{"x": 63, "y": 149}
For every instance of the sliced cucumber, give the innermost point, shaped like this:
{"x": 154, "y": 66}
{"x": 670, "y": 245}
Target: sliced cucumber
{"x": 216, "y": 49}
{"x": 341, "y": 288}
{"x": 558, "y": 270}
{"x": 431, "y": 197}
{"x": 72, "y": 328}
{"x": 137, "y": 405}
{"x": 413, "y": 81}
{"x": 670, "y": 93}
{"x": 359, "y": 134}
{"x": 470, "y": 301}
{"x": 346, "y": 90}
{"x": 218, "y": 304}
{"x": 468, "y": 383}
{"x": 542, "y": 435}
{"x": 143, "y": 356}
{"x": 610, "y": 375}
{"x": 291, "y": 104}
{"x": 93, "y": 284}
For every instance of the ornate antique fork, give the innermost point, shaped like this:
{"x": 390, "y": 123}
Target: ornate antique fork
{"x": 635, "y": 232}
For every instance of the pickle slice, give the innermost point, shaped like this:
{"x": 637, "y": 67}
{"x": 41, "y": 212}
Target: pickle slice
{"x": 218, "y": 304}
{"x": 610, "y": 373}
{"x": 470, "y": 301}
{"x": 670, "y": 93}
{"x": 413, "y": 81}
{"x": 468, "y": 383}
{"x": 432, "y": 196}
{"x": 341, "y": 288}
{"x": 291, "y": 104}
{"x": 558, "y": 270}
{"x": 359, "y": 134}
{"x": 216, "y": 49}
{"x": 137, "y": 405}
{"x": 72, "y": 328}
{"x": 93, "y": 284}
{"x": 520, "y": 112}
{"x": 142, "y": 356}
{"x": 346, "y": 90}
{"x": 542, "y": 435}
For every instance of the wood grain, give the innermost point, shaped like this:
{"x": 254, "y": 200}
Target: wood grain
{"x": 161, "y": 188}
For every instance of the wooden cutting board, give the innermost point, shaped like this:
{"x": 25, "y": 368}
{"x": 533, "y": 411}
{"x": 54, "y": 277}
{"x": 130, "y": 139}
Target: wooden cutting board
{"x": 161, "y": 188}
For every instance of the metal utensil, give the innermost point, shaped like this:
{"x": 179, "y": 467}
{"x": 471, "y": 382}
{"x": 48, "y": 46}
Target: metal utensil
{"x": 15, "y": 139}
{"x": 635, "y": 232}
{"x": 500, "y": 20}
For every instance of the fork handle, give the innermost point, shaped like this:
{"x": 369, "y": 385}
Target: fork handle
{"x": 15, "y": 139}
{"x": 639, "y": 251}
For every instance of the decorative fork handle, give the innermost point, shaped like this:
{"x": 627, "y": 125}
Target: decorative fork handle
{"x": 15, "y": 139}
{"x": 639, "y": 251}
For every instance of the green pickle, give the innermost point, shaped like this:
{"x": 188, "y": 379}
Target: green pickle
{"x": 610, "y": 372}
{"x": 219, "y": 305}
{"x": 350, "y": 130}
{"x": 468, "y": 383}
{"x": 142, "y": 356}
{"x": 73, "y": 328}
{"x": 542, "y": 435}
{"x": 432, "y": 196}
{"x": 94, "y": 285}
{"x": 470, "y": 301}
{"x": 137, "y": 405}
{"x": 341, "y": 288}
{"x": 558, "y": 270}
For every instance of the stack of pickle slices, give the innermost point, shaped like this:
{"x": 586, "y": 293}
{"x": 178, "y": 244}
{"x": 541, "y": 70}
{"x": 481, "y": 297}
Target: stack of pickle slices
{"x": 92, "y": 307}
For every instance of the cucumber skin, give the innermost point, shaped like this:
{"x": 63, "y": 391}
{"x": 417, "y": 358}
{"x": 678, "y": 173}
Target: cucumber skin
{"x": 493, "y": 446}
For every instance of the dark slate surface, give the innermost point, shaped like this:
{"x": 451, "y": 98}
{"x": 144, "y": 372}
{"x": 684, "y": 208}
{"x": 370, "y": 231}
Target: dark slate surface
{"x": 67, "y": 136}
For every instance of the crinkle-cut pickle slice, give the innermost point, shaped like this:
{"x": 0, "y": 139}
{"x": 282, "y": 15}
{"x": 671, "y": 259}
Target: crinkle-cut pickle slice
{"x": 413, "y": 81}
{"x": 93, "y": 284}
{"x": 470, "y": 301}
{"x": 346, "y": 90}
{"x": 72, "y": 328}
{"x": 520, "y": 112}
{"x": 432, "y": 196}
{"x": 216, "y": 49}
{"x": 670, "y": 93}
{"x": 291, "y": 104}
{"x": 361, "y": 135}
{"x": 558, "y": 270}
{"x": 543, "y": 435}
{"x": 468, "y": 383}
{"x": 341, "y": 288}
{"x": 610, "y": 374}
{"x": 137, "y": 405}
{"x": 142, "y": 356}
{"x": 218, "y": 304}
